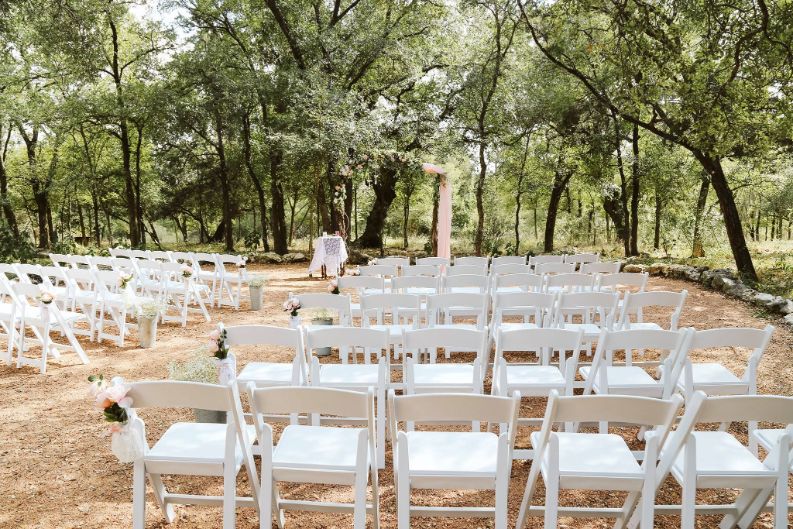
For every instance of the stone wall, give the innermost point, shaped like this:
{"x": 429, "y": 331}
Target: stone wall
{"x": 721, "y": 280}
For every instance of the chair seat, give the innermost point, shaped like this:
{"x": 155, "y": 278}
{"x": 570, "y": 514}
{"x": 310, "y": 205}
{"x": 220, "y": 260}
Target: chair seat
{"x": 452, "y": 453}
{"x": 511, "y": 326}
{"x": 195, "y": 441}
{"x": 509, "y": 290}
{"x": 465, "y": 290}
{"x": 466, "y": 326}
{"x": 583, "y": 455}
{"x": 207, "y": 276}
{"x": 394, "y": 330}
{"x": 349, "y": 374}
{"x": 443, "y": 374}
{"x": 33, "y": 316}
{"x": 716, "y": 378}
{"x": 644, "y": 326}
{"x": 768, "y": 438}
{"x": 266, "y": 372}
{"x": 720, "y": 454}
{"x": 421, "y": 291}
{"x": 626, "y": 380}
{"x": 544, "y": 376}
{"x": 320, "y": 447}
{"x": 591, "y": 330}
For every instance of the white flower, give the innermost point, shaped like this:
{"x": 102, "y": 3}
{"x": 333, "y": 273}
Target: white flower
{"x": 45, "y": 297}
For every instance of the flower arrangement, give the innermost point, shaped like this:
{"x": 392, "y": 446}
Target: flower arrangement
{"x": 372, "y": 262}
{"x": 187, "y": 271}
{"x": 112, "y": 400}
{"x": 292, "y": 306}
{"x": 124, "y": 280}
{"x": 355, "y": 272}
{"x": 333, "y": 286}
{"x": 45, "y": 297}
{"x": 149, "y": 310}
{"x": 242, "y": 263}
{"x": 217, "y": 343}
{"x": 257, "y": 281}
{"x": 198, "y": 368}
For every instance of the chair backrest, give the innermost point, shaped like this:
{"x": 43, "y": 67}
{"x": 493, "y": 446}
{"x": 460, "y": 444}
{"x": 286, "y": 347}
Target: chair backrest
{"x": 400, "y": 262}
{"x": 121, "y": 252}
{"x": 334, "y": 302}
{"x": 338, "y": 336}
{"x": 594, "y": 307}
{"x": 61, "y": 260}
{"x": 570, "y": 282}
{"x": 314, "y": 401}
{"x": 509, "y": 268}
{"x": 672, "y": 344}
{"x": 99, "y": 262}
{"x": 123, "y": 264}
{"x": 178, "y": 394}
{"x": 466, "y": 340}
{"x": 435, "y": 261}
{"x": 205, "y": 258}
{"x": 53, "y": 275}
{"x": 401, "y": 284}
{"x": 361, "y": 283}
{"x": 526, "y": 281}
{"x": 508, "y": 259}
{"x": 635, "y": 302}
{"x": 744, "y": 408}
{"x": 264, "y": 335}
{"x": 380, "y": 270}
{"x": 27, "y": 293}
{"x": 232, "y": 259}
{"x": 466, "y": 281}
{"x": 160, "y": 255}
{"x": 429, "y": 270}
{"x": 622, "y": 281}
{"x": 535, "y": 260}
{"x": 601, "y": 267}
{"x": 139, "y": 254}
{"x": 582, "y": 258}
{"x": 472, "y": 260}
{"x": 28, "y": 273}
{"x": 457, "y": 270}
{"x": 621, "y": 409}
{"x": 542, "y": 342}
{"x": 107, "y": 280}
{"x": 536, "y": 305}
{"x": 182, "y": 257}
{"x": 399, "y": 305}
{"x": 444, "y": 305}
{"x": 80, "y": 278}
{"x": 554, "y": 268}
{"x": 454, "y": 407}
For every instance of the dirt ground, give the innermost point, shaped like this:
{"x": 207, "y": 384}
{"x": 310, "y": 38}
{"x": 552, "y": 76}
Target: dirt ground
{"x": 57, "y": 471}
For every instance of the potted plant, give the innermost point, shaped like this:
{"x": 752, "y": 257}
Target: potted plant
{"x": 198, "y": 368}
{"x": 292, "y": 306}
{"x": 256, "y": 287}
{"x": 148, "y": 314}
{"x": 322, "y": 317}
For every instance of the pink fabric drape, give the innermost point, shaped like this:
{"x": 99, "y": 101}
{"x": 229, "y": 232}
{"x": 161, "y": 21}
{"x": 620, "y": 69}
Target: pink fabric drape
{"x": 445, "y": 218}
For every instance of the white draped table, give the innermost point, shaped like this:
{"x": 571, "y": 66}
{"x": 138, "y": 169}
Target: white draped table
{"x": 330, "y": 252}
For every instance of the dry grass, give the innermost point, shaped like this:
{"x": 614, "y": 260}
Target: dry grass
{"x": 56, "y": 469}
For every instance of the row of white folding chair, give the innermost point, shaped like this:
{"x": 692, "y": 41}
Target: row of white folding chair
{"x": 602, "y": 461}
{"x": 22, "y": 310}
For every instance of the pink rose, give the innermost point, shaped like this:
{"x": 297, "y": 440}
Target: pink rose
{"x": 125, "y": 403}
{"x": 117, "y": 392}
{"x": 214, "y": 335}
{"x": 212, "y": 346}
{"x": 116, "y": 427}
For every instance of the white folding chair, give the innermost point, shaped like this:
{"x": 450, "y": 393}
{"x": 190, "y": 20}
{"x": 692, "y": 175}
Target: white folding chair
{"x": 480, "y": 262}
{"x": 42, "y": 319}
{"x": 332, "y": 302}
{"x": 448, "y": 377}
{"x": 718, "y": 460}
{"x": 8, "y": 317}
{"x": 554, "y": 268}
{"x": 85, "y": 297}
{"x": 314, "y": 453}
{"x": 231, "y": 281}
{"x": 160, "y": 255}
{"x": 535, "y": 260}
{"x": 572, "y": 282}
{"x": 535, "y": 309}
{"x": 580, "y": 259}
{"x": 354, "y": 377}
{"x": 424, "y": 270}
{"x": 603, "y": 267}
{"x": 509, "y": 268}
{"x": 386, "y": 271}
{"x": 207, "y": 270}
{"x": 452, "y": 459}
{"x": 475, "y": 270}
{"x": 113, "y": 304}
{"x": 521, "y": 282}
{"x": 607, "y": 376}
{"x": 362, "y": 285}
{"x": 466, "y": 284}
{"x": 596, "y": 461}
{"x": 622, "y": 281}
{"x": 435, "y": 261}
{"x": 266, "y": 374}
{"x": 417, "y": 285}
{"x": 442, "y": 308}
{"x": 508, "y": 259}
{"x": 179, "y": 292}
{"x": 596, "y": 311}
{"x": 192, "y": 449}
{"x": 61, "y": 260}
{"x": 634, "y": 303}
{"x": 404, "y": 309}
{"x": 399, "y": 262}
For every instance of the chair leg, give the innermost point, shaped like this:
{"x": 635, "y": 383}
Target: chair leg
{"x": 402, "y": 485}
{"x": 381, "y": 429}
{"x": 229, "y": 497}
{"x": 359, "y": 512}
{"x": 502, "y": 483}
{"x": 138, "y": 495}
{"x": 551, "y": 501}
{"x": 689, "y": 485}
{"x": 159, "y": 495}
{"x": 266, "y": 499}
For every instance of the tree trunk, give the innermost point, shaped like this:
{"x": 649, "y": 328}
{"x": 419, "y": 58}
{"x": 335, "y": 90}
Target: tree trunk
{"x": 732, "y": 220}
{"x": 405, "y": 218}
{"x": 8, "y": 211}
{"x": 559, "y": 185}
{"x": 657, "y": 228}
{"x": 257, "y": 183}
{"x": 519, "y": 192}
{"x": 635, "y": 168}
{"x": 621, "y": 226}
{"x": 138, "y": 177}
{"x": 384, "y": 194}
{"x": 697, "y": 249}
{"x": 277, "y": 212}
{"x": 225, "y": 186}
{"x": 480, "y": 205}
